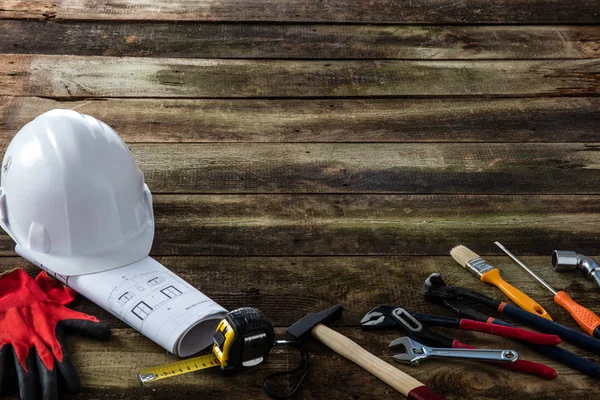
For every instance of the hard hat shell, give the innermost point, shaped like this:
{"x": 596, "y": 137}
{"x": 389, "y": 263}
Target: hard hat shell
{"x": 72, "y": 197}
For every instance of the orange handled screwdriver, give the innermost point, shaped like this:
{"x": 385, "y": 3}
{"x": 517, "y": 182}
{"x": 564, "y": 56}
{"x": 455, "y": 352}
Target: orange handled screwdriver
{"x": 586, "y": 319}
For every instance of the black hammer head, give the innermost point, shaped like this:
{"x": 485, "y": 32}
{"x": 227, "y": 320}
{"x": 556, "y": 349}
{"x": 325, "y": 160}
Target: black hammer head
{"x": 301, "y": 329}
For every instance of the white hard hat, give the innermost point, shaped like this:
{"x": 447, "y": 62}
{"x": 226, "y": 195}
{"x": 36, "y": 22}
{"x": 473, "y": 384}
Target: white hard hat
{"x": 72, "y": 197}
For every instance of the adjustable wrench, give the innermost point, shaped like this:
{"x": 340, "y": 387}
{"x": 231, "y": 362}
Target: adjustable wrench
{"x": 415, "y": 352}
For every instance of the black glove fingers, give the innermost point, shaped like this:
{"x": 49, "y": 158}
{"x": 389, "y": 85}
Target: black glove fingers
{"x": 27, "y": 379}
{"x": 95, "y": 330}
{"x": 66, "y": 367}
{"x": 3, "y": 356}
{"x": 48, "y": 380}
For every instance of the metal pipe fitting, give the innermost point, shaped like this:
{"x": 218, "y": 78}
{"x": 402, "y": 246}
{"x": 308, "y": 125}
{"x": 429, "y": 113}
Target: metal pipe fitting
{"x": 564, "y": 261}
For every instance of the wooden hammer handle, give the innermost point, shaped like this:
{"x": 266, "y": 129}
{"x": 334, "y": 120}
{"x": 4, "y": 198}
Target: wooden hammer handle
{"x": 402, "y": 382}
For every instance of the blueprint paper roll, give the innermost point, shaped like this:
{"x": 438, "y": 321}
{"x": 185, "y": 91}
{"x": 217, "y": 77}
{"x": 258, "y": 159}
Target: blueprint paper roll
{"x": 150, "y": 298}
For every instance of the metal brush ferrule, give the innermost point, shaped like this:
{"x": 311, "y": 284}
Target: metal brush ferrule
{"x": 478, "y": 266}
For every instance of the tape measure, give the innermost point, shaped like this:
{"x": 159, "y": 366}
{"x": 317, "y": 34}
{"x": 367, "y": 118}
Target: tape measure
{"x": 177, "y": 368}
{"x": 243, "y": 339}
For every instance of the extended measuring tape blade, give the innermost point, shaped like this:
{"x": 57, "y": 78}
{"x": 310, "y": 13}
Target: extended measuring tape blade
{"x": 177, "y": 368}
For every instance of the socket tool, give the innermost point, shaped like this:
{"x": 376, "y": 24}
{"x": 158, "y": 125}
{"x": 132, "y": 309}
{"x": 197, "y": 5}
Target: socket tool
{"x": 313, "y": 325}
{"x": 490, "y": 274}
{"x": 566, "y": 261}
{"x": 417, "y": 326}
{"x": 436, "y": 289}
{"x": 587, "y": 319}
{"x": 416, "y": 352}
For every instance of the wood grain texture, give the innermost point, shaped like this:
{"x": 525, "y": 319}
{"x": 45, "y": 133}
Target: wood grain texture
{"x": 219, "y": 40}
{"x": 39, "y": 9}
{"x": 366, "y": 120}
{"x": 386, "y": 11}
{"x": 104, "y": 378}
{"x": 396, "y": 225}
{"x": 292, "y": 169}
{"x": 287, "y": 288}
{"x": 88, "y": 77}
{"x": 377, "y": 167}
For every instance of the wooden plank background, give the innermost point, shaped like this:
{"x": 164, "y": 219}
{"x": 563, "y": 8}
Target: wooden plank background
{"x": 303, "y": 154}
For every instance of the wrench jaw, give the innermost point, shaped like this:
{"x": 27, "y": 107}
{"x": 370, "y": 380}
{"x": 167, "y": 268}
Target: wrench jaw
{"x": 407, "y": 359}
{"x": 414, "y": 352}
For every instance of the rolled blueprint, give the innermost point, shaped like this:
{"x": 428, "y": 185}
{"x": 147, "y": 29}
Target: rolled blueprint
{"x": 153, "y": 300}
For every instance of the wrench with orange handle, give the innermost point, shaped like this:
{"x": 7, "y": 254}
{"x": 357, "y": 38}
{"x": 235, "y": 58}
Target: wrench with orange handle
{"x": 587, "y": 319}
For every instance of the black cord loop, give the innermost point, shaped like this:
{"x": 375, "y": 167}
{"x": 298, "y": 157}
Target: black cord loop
{"x": 303, "y": 366}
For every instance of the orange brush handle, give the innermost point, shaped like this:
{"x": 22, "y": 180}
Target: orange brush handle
{"x": 521, "y": 299}
{"x": 584, "y": 317}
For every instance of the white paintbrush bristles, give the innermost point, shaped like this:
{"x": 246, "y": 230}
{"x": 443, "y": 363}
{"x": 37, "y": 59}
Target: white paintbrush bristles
{"x": 463, "y": 255}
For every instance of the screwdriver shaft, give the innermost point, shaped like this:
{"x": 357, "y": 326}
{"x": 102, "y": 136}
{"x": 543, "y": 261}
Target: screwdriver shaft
{"x": 515, "y": 259}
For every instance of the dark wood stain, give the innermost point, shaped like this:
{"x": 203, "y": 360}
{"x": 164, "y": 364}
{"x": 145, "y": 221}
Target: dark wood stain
{"x": 392, "y": 168}
{"x": 227, "y": 40}
{"x": 385, "y": 11}
{"x": 362, "y": 120}
{"x": 303, "y": 154}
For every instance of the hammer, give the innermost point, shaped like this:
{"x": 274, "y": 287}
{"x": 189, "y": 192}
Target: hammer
{"x": 315, "y": 324}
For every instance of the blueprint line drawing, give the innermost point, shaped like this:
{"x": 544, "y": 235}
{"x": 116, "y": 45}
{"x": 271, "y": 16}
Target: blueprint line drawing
{"x": 145, "y": 291}
{"x": 125, "y": 297}
{"x": 156, "y": 280}
{"x": 171, "y": 292}
{"x": 152, "y": 299}
{"x": 141, "y": 310}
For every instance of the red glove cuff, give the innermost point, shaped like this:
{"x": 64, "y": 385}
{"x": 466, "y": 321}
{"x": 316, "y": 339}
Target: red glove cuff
{"x": 55, "y": 290}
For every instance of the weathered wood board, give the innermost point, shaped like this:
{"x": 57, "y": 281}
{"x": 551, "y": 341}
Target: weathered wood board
{"x": 467, "y": 380}
{"x": 303, "y": 154}
{"x": 416, "y": 168}
{"x": 356, "y": 225}
{"x": 381, "y": 168}
{"x": 572, "y": 119}
{"x": 318, "y": 41}
{"x": 289, "y": 287}
{"x": 84, "y": 77}
{"x": 385, "y": 11}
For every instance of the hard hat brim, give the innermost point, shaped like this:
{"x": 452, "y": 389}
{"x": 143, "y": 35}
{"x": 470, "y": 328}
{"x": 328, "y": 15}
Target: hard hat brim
{"x": 135, "y": 250}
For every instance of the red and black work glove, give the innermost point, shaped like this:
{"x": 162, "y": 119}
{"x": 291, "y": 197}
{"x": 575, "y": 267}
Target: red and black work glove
{"x": 33, "y": 322}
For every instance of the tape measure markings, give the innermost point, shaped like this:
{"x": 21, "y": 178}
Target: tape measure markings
{"x": 178, "y": 368}
{"x": 243, "y": 338}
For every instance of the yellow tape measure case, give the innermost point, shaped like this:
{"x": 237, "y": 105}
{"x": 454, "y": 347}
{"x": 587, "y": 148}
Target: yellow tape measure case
{"x": 243, "y": 338}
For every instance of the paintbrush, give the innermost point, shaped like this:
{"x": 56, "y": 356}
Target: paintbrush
{"x": 490, "y": 274}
